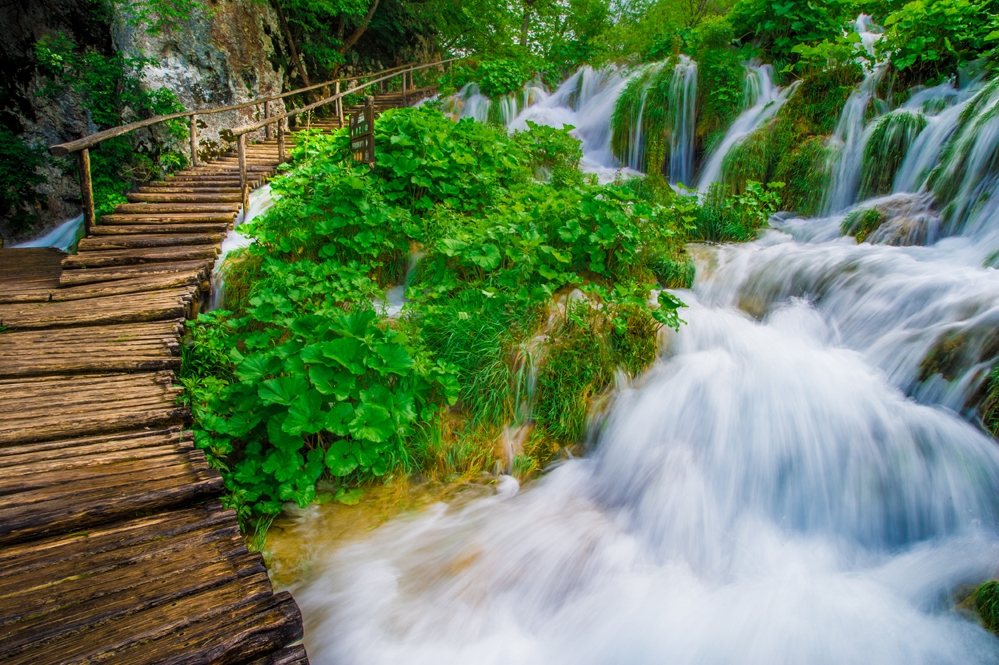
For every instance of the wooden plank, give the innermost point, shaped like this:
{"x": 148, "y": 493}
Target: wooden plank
{"x": 128, "y": 308}
{"x": 127, "y": 229}
{"x": 111, "y": 242}
{"x": 114, "y": 273}
{"x": 155, "y": 208}
{"x": 177, "y": 197}
{"x": 126, "y": 257}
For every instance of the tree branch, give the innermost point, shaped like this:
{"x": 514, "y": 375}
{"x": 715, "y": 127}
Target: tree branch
{"x": 360, "y": 29}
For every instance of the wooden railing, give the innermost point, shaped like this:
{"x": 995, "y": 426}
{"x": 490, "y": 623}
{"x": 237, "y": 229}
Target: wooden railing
{"x": 82, "y": 146}
{"x": 282, "y": 119}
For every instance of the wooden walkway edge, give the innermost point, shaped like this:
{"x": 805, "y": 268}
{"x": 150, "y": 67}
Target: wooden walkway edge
{"x": 114, "y": 547}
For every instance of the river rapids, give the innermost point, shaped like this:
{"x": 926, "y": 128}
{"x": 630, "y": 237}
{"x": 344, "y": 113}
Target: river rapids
{"x": 797, "y": 481}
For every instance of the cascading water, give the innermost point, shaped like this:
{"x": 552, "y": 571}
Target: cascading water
{"x": 683, "y": 89}
{"x": 64, "y": 236}
{"x": 261, "y": 201}
{"x": 761, "y": 101}
{"x": 586, "y": 102}
{"x": 849, "y": 139}
{"x": 796, "y": 482}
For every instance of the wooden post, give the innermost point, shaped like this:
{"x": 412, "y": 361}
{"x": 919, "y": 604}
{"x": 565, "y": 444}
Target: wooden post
{"x": 194, "y": 140}
{"x": 404, "y": 88}
{"x": 241, "y": 148}
{"x": 86, "y": 190}
{"x": 267, "y": 115}
{"x": 339, "y": 105}
{"x": 280, "y": 133}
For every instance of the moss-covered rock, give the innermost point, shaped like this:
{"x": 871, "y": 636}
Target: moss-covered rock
{"x": 791, "y": 147}
{"x": 886, "y": 149}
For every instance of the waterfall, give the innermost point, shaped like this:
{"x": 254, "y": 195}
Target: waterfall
{"x": 683, "y": 93}
{"x": 761, "y": 101}
{"x": 800, "y": 480}
{"x": 64, "y": 236}
{"x": 261, "y": 200}
{"x": 849, "y": 139}
{"x": 585, "y": 101}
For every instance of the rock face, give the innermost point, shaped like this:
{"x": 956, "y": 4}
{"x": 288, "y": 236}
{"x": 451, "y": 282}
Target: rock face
{"x": 223, "y": 54}
{"x": 41, "y": 119}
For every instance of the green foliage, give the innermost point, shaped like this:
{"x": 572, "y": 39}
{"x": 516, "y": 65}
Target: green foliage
{"x": 778, "y": 26}
{"x": 930, "y": 40}
{"x": 111, "y": 89}
{"x": 726, "y": 217}
{"x": 886, "y": 149}
{"x": 720, "y": 77}
{"x": 496, "y": 77}
{"x": 862, "y": 223}
{"x": 157, "y": 16}
{"x": 319, "y": 387}
{"x": 986, "y": 600}
{"x": 19, "y": 178}
{"x": 842, "y": 51}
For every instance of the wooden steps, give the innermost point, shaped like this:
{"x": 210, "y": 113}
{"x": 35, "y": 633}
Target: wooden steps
{"x": 173, "y": 587}
{"x": 137, "y": 307}
{"x": 45, "y": 408}
{"x": 121, "y": 348}
{"x": 113, "y": 549}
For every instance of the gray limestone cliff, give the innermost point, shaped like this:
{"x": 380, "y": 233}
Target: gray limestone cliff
{"x": 226, "y": 52}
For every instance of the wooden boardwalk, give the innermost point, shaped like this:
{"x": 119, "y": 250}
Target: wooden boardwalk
{"x": 114, "y": 547}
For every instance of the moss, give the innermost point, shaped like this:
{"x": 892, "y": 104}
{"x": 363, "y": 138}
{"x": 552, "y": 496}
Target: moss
{"x": 791, "y": 146}
{"x": 654, "y": 98}
{"x": 986, "y": 600}
{"x": 577, "y": 367}
{"x": 803, "y": 170}
{"x": 862, "y": 223}
{"x": 989, "y": 409}
{"x": 886, "y": 149}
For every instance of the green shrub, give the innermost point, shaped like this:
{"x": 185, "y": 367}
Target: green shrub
{"x": 320, "y": 388}
{"x": 19, "y": 179}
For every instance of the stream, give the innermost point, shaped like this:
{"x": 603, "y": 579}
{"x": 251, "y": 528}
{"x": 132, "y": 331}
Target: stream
{"x": 799, "y": 480}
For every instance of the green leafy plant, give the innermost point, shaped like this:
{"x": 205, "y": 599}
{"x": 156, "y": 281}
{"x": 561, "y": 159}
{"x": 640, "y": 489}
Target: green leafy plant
{"x": 19, "y": 179}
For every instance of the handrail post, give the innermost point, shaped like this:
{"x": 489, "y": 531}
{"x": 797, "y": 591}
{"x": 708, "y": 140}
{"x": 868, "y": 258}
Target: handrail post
{"x": 280, "y": 133}
{"x": 267, "y": 115}
{"x": 404, "y": 103}
{"x": 241, "y": 149}
{"x": 86, "y": 190}
{"x": 194, "y": 140}
{"x": 339, "y": 105}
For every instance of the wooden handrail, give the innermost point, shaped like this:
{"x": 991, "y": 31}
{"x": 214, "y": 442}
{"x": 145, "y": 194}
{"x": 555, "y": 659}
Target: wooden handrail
{"x": 82, "y": 146}
{"x": 239, "y": 131}
{"x": 281, "y": 120}
{"x": 63, "y": 149}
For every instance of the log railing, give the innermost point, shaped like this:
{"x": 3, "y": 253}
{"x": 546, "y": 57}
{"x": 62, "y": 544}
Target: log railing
{"x": 282, "y": 119}
{"x": 82, "y": 146}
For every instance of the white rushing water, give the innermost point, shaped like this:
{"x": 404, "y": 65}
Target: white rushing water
{"x": 798, "y": 481}
{"x": 261, "y": 200}
{"x": 761, "y": 101}
{"x": 64, "y": 236}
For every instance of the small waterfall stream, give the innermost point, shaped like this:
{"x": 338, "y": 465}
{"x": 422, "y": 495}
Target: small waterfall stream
{"x": 761, "y": 100}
